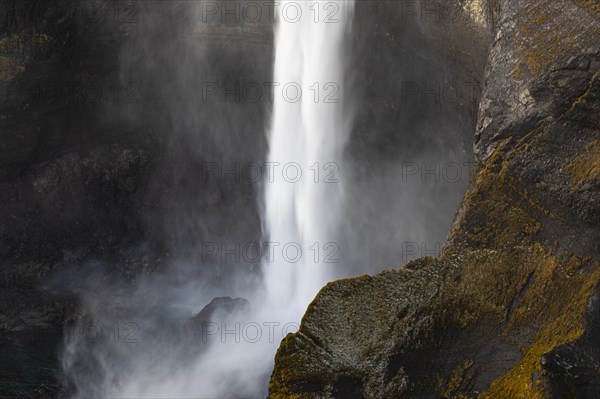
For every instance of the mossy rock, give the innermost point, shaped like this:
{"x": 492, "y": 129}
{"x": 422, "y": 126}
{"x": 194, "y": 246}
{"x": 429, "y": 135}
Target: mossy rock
{"x": 510, "y": 308}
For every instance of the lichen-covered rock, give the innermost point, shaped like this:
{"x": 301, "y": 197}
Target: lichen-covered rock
{"x": 510, "y": 308}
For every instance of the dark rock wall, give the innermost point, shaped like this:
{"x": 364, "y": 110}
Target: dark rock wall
{"x": 70, "y": 175}
{"x": 509, "y": 310}
{"x": 104, "y": 133}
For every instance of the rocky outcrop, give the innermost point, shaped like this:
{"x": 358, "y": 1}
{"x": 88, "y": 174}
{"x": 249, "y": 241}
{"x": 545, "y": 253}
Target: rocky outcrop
{"x": 509, "y": 309}
{"x": 220, "y": 310}
{"x": 103, "y": 135}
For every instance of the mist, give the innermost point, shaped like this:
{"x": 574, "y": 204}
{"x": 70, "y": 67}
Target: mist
{"x": 399, "y": 160}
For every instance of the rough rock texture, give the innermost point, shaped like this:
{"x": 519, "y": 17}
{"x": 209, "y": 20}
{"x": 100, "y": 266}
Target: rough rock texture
{"x": 93, "y": 170}
{"x": 510, "y": 308}
{"x": 104, "y": 133}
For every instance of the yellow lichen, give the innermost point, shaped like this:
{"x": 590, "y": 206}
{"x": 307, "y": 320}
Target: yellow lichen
{"x": 567, "y": 326}
{"x": 585, "y": 168}
{"x": 457, "y": 378}
{"x": 500, "y": 272}
{"x": 591, "y": 6}
{"x": 531, "y": 140}
{"x": 9, "y": 68}
{"x": 476, "y": 10}
{"x": 546, "y": 35}
{"x": 294, "y": 370}
{"x": 506, "y": 274}
{"x": 13, "y": 51}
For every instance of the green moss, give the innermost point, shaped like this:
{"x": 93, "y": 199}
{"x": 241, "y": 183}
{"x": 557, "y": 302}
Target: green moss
{"x": 292, "y": 370}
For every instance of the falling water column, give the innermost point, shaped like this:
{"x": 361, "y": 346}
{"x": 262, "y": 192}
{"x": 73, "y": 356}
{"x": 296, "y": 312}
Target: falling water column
{"x": 309, "y": 131}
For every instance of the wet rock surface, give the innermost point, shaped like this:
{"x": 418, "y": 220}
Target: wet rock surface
{"x": 509, "y": 309}
{"x": 105, "y": 139}
{"x": 99, "y": 173}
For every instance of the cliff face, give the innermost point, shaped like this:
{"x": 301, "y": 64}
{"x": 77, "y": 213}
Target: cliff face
{"x": 510, "y": 308}
{"x": 97, "y": 165}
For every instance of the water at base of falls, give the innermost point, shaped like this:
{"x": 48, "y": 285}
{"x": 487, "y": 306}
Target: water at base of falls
{"x": 309, "y": 130}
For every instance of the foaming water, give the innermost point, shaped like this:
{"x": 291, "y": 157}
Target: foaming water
{"x": 309, "y": 130}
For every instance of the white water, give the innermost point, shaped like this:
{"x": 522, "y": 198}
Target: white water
{"x": 312, "y": 133}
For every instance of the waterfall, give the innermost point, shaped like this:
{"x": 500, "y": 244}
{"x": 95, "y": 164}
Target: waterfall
{"x": 302, "y": 204}
{"x": 309, "y": 130}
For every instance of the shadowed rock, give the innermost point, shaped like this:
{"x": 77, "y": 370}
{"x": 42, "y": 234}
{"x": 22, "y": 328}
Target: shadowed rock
{"x": 509, "y": 309}
{"x": 220, "y": 311}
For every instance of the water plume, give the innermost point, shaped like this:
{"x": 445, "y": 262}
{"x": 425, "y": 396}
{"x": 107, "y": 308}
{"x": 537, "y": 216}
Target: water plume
{"x": 231, "y": 354}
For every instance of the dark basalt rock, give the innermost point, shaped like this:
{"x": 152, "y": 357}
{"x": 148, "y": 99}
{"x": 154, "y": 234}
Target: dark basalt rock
{"x": 90, "y": 158}
{"x": 571, "y": 370}
{"x": 221, "y": 310}
{"x": 509, "y": 309}
{"x": 211, "y": 324}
